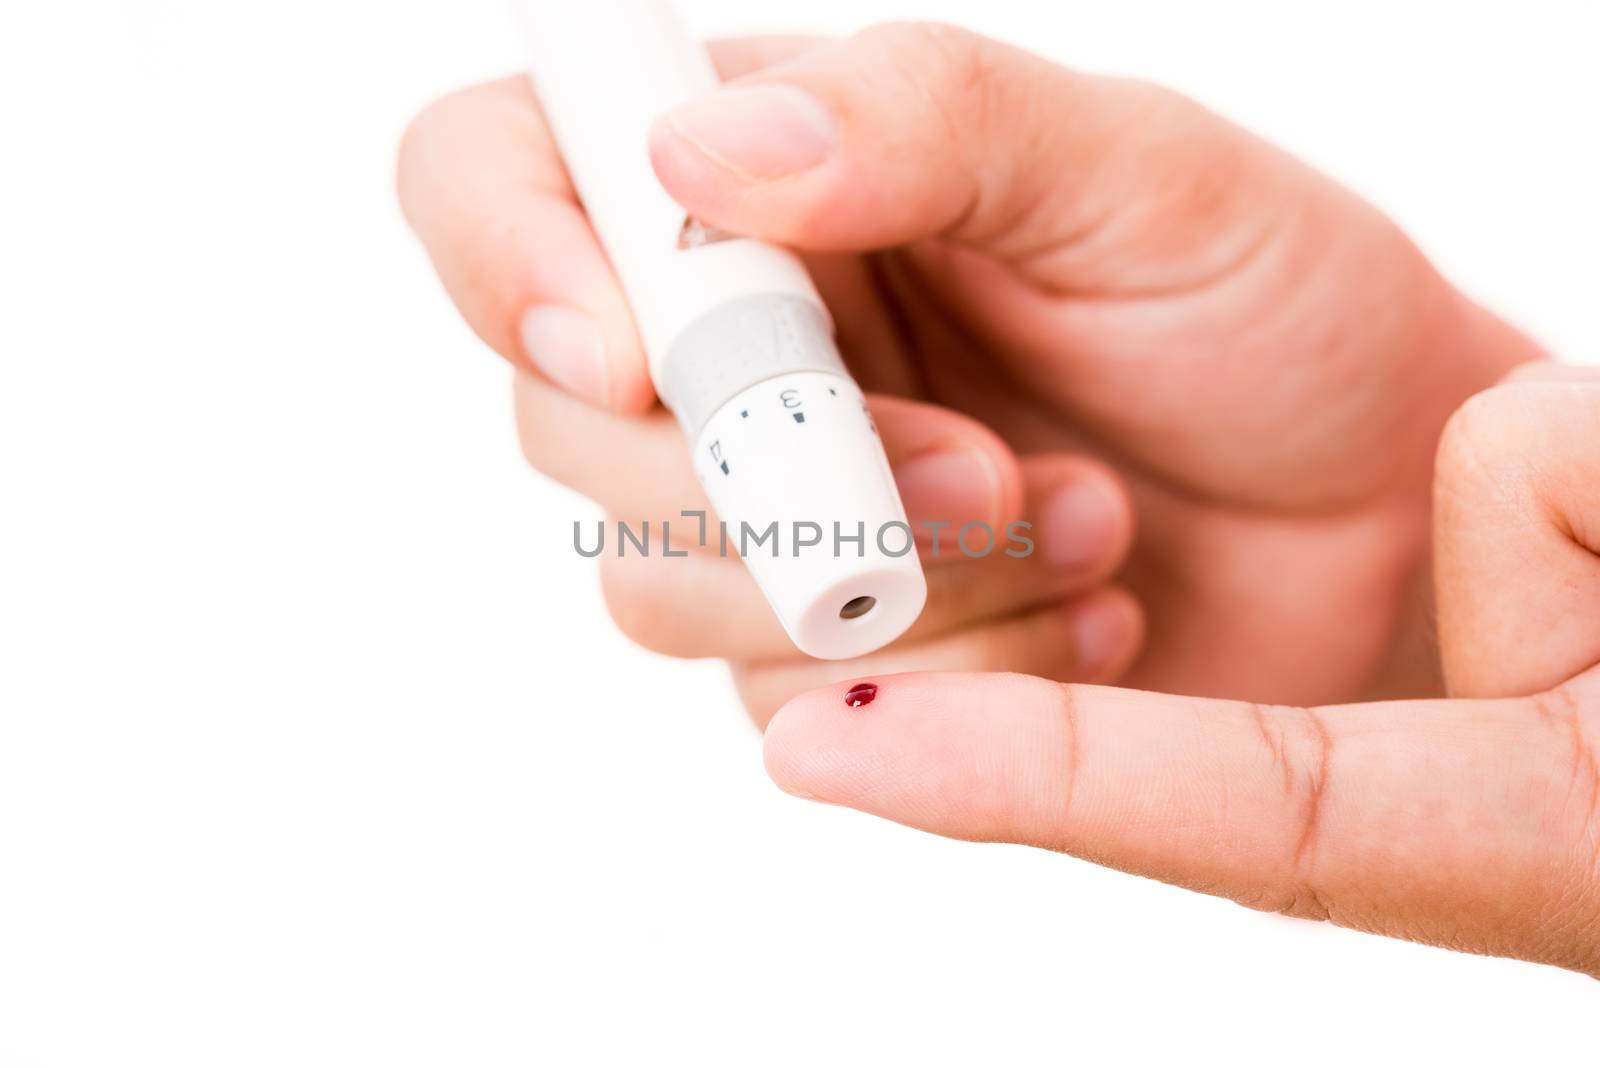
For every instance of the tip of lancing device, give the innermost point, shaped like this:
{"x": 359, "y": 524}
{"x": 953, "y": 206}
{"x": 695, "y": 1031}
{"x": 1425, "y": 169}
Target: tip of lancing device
{"x": 861, "y": 694}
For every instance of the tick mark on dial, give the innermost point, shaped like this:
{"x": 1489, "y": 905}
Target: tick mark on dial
{"x": 745, "y": 414}
{"x": 799, "y": 417}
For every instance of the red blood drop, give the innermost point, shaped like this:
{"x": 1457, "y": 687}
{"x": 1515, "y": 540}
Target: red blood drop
{"x": 861, "y": 694}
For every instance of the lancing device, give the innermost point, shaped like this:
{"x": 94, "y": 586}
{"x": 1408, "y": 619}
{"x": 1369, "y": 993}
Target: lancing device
{"x": 740, "y": 346}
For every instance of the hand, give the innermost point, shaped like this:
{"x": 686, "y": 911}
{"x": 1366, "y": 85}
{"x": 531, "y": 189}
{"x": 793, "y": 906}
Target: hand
{"x": 1075, "y": 297}
{"x": 1472, "y": 823}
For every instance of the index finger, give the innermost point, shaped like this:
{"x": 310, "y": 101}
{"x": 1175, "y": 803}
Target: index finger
{"x": 1469, "y": 824}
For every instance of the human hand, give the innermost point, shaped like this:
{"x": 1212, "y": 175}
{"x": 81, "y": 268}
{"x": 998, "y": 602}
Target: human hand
{"x": 1472, "y": 823}
{"x": 1069, "y": 293}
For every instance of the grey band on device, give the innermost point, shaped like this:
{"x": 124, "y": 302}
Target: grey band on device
{"x": 731, "y": 348}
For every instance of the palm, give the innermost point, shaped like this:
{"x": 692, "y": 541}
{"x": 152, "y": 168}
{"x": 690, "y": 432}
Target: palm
{"x": 1259, "y": 581}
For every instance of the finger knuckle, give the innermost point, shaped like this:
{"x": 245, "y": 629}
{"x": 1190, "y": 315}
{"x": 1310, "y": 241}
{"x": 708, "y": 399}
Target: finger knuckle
{"x": 544, "y": 445}
{"x": 1300, "y": 747}
{"x": 638, "y": 609}
{"x": 763, "y": 690}
{"x": 958, "y": 57}
{"x": 1576, "y": 800}
{"x": 958, "y": 64}
{"x": 478, "y": 254}
{"x": 420, "y": 142}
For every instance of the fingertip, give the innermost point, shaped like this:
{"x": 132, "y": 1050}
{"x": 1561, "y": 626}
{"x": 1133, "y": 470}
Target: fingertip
{"x": 950, "y": 469}
{"x": 917, "y": 731}
{"x": 586, "y": 357}
{"x": 953, "y": 487}
{"x": 825, "y": 746}
{"x": 955, "y": 753}
{"x": 688, "y": 175}
{"x": 482, "y": 186}
{"x": 569, "y": 348}
{"x": 1081, "y": 511}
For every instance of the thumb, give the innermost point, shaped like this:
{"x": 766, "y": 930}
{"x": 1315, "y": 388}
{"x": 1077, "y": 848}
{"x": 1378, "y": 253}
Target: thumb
{"x": 912, "y": 130}
{"x": 1468, "y": 824}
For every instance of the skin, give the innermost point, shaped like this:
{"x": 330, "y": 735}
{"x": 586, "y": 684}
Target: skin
{"x": 1471, "y": 822}
{"x": 1216, "y": 382}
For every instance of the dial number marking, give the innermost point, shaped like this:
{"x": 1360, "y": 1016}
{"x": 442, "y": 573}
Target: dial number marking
{"x": 791, "y": 400}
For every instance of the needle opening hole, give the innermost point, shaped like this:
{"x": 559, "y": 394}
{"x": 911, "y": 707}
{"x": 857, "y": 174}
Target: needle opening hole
{"x": 856, "y": 607}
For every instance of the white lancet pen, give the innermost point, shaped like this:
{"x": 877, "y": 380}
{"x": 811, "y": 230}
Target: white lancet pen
{"x": 740, "y": 346}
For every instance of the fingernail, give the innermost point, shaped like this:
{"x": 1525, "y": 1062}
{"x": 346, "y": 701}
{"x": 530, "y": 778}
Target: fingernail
{"x": 953, "y": 487}
{"x": 1078, "y": 527}
{"x": 757, "y": 131}
{"x": 568, "y": 347}
{"x": 1101, "y": 633}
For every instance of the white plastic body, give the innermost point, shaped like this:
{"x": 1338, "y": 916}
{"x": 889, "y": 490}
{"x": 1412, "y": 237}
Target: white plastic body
{"x": 604, "y": 70}
{"x": 824, "y": 479}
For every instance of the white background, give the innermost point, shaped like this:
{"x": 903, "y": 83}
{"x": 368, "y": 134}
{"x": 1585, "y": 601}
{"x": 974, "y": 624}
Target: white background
{"x": 316, "y": 746}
